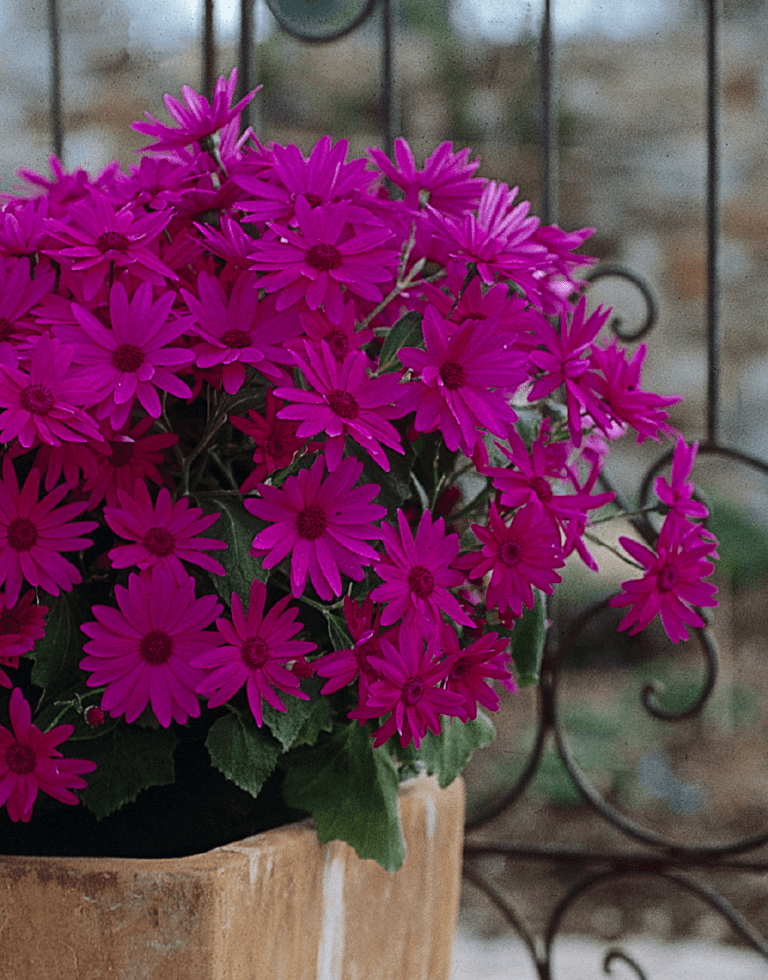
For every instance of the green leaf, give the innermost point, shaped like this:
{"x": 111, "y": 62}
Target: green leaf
{"x": 338, "y": 633}
{"x": 57, "y": 655}
{"x": 237, "y": 528}
{"x": 245, "y": 753}
{"x": 528, "y": 638}
{"x": 407, "y": 332}
{"x": 299, "y": 716}
{"x": 351, "y": 790}
{"x": 446, "y": 754}
{"x": 129, "y": 759}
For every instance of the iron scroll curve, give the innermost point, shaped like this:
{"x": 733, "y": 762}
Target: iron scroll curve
{"x": 320, "y": 21}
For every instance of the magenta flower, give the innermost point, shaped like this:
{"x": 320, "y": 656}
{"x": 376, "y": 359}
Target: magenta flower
{"x": 323, "y": 525}
{"x": 33, "y": 534}
{"x": 30, "y": 761}
{"x": 411, "y": 689}
{"x": 457, "y": 372}
{"x": 474, "y": 668}
{"x": 342, "y": 338}
{"x": 565, "y": 361}
{"x": 44, "y": 404}
{"x": 21, "y": 226}
{"x": 322, "y": 178}
{"x": 135, "y": 357}
{"x": 343, "y": 400}
{"x": 276, "y": 442}
{"x": 197, "y": 119}
{"x": 418, "y": 573}
{"x": 673, "y": 581}
{"x": 528, "y": 480}
{"x": 518, "y": 556}
{"x": 141, "y": 652}
{"x": 239, "y": 330}
{"x": 256, "y": 650}
{"x": 325, "y": 254}
{"x": 133, "y": 455}
{"x": 97, "y": 239}
{"x": 619, "y": 398}
{"x": 343, "y": 666}
{"x": 445, "y": 182}
{"x": 677, "y": 492}
{"x": 23, "y": 622}
{"x": 165, "y": 533}
{"x": 19, "y": 292}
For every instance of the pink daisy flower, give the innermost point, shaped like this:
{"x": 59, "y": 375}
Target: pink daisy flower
{"x": 19, "y": 292}
{"x": 342, "y": 338}
{"x": 322, "y": 524}
{"x": 418, "y": 573}
{"x": 343, "y": 666}
{"x": 132, "y": 455}
{"x": 256, "y": 650}
{"x": 518, "y": 556}
{"x": 325, "y": 254}
{"x": 457, "y": 372}
{"x": 343, "y": 400}
{"x": 673, "y": 581}
{"x": 21, "y": 226}
{"x": 44, "y": 404}
{"x": 474, "y": 668}
{"x": 23, "y": 622}
{"x": 141, "y": 652}
{"x": 445, "y": 182}
{"x": 135, "y": 357}
{"x": 96, "y": 239}
{"x": 30, "y": 761}
{"x": 197, "y": 119}
{"x": 33, "y": 533}
{"x": 677, "y": 492}
{"x": 276, "y": 441}
{"x": 411, "y": 688}
{"x": 165, "y": 533}
{"x": 240, "y": 330}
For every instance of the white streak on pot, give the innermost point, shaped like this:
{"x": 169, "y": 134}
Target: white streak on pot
{"x": 331, "y": 946}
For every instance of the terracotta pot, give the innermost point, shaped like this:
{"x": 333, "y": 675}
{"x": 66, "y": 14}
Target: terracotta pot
{"x": 275, "y": 906}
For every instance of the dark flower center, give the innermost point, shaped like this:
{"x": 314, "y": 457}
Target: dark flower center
{"x": 275, "y": 445}
{"x": 311, "y": 522}
{"x": 324, "y": 256}
{"x": 453, "y": 375}
{"x": 254, "y": 652}
{"x": 337, "y": 341}
{"x": 22, "y": 534}
{"x": 668, "y": 578}
{"x": 156, "y": 647}
{"x": 343, "y": 404}
{"x": 128, "y": 357}
{"x": 541, "y": 488}
{"x": 313, "y": 200}
{"x": 236, "y": 338}
{"x": 510, "y": 553}
{"x": 413, "y": 690}
{"x": 122, "y": 454}
{"x": 362, "y": 652}
{"x": 112, "y": 241}
{"x": 421, "y": 582}
{"x": 158, "y": 541}
{"x": 20, "y": 759}
{"x": 37, "y": 399}
{"x": 5, "y": 328}
{"x": 460, "y": 669}
{"x": 9, "y": 623}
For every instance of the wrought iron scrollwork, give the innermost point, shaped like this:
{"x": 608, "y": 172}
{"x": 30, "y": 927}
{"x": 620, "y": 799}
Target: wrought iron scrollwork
{"x": 320, "y": 20}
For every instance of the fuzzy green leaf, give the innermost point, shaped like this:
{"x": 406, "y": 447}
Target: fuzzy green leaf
{"x": 129, "y": 759}
{"x": 305, "y": 718}
{"x": 528, "y": 638}
{"x": 338, "y": 633}
{"x": 407, "y": 332}
{"x": 446, "y": 754}
{"x": 245, "y": 753}
{"x": 351, "y": 790}
{"x": 237, "y": 527}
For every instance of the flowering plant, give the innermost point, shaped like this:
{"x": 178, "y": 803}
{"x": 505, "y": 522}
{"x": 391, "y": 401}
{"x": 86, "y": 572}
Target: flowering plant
{"x": 293, "y": 448}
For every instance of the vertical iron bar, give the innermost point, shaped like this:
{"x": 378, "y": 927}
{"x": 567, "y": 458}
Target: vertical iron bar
{"x": 712, "y": 207}
{"x": 388, "y": 107}
{"x": 549, "y": 149}
{"x": 55, "y": 108}
{"x": 209, "y": 50}
{"x": 245, "y": 72}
